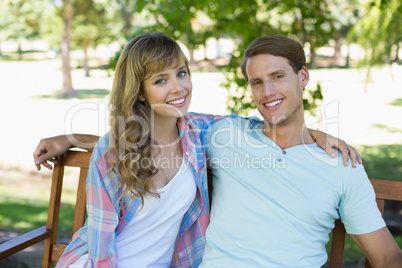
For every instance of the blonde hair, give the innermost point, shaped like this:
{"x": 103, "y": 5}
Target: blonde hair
{"x": 129, "y": 152}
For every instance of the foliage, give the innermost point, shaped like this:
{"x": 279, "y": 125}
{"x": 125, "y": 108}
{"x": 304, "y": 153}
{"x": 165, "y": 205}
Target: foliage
{"x": 313, "y": 23}
{"x": 51, "y": 27}
{"x": 307, "y": 22}
{"x": 113, "y": 60}
{"x": 20, "y": 20}
{"x": 379, "y": 31}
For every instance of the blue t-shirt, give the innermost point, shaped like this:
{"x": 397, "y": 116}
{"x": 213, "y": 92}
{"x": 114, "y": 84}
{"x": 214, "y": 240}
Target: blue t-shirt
{"x": 274, "y": 207}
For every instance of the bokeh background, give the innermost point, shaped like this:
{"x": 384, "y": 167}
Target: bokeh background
{"x": 57, "y": 59}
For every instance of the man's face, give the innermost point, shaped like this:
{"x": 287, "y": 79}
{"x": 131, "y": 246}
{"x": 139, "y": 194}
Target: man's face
{"x": 277, "y": 90}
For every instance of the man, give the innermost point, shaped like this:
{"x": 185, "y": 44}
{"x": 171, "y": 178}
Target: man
{"x": 276, "y": 193}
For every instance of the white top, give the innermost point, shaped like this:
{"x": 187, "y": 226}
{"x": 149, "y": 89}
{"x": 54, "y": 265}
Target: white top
{"x": 148, "y": 239}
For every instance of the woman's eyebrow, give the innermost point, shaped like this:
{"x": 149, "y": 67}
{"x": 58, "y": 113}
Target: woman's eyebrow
{"x": 182, "y": 67}
{"x": 165, "y": 73}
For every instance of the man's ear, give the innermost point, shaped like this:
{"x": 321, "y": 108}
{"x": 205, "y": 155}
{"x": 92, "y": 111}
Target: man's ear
{"x": 305, "y": 76}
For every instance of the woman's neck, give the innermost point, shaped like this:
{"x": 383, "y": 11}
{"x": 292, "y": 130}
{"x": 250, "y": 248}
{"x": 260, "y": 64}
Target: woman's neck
{"x": 165, "y": 131}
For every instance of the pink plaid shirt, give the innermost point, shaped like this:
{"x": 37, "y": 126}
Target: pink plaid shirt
{"x": 107, "y": 217}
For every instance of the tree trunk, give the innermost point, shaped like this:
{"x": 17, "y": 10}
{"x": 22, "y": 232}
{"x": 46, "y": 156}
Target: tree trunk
{"x": 67, "y": 89}
{"x": 205, "y": 51}
{"x": 19, "y": 51}
{"x": 337, "y": 53}
{"x": 86, "y": 65}
{"x": 302, "y": 29}
{"x": 218, "y": 49}
{"x": 312, "y": 64}
{"x": 191, "y": 60}
{"x": 347, "y": 64}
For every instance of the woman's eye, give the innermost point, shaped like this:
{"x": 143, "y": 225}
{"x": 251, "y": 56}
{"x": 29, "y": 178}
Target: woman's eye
{"x": 182, "y": 74}
{"x": 160, "y": 81}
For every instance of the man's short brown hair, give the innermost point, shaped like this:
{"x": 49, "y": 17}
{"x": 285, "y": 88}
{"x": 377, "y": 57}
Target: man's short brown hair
{"x": 276, "y": 45}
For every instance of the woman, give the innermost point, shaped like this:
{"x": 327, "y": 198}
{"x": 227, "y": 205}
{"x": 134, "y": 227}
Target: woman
{"x": 147, "y": 198}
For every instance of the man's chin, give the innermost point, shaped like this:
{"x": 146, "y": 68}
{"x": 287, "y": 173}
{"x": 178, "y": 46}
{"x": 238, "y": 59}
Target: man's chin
{"x": 273, "y": 122}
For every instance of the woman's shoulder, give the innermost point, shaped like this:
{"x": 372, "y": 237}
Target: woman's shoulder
{"x": 101, "y": 146}
{"x": 199, "y": 116}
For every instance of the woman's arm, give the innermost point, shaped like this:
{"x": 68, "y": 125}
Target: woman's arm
{"x": 327, "y": 142}
{"x": 103, "y": 218}
{"x": 49, "y": 148}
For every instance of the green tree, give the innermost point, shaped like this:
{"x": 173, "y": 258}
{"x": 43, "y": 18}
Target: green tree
{"x": 91, "y": 26}
{"x": 312, "y": 23}
{"x": 20, "y": 20}
{"x": 86, "y": 23}
{"x": 347, "y": 13}
{"x": 183, "y": 20}
{"x": 126, "y": 12}
{"x": 379, "y": 31}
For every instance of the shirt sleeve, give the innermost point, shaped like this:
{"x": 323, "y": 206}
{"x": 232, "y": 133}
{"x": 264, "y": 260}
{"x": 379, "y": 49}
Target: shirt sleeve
{"x": 102, "y": 216}
{"x": 358, "y": 208}
{"x": 97, "y": 236}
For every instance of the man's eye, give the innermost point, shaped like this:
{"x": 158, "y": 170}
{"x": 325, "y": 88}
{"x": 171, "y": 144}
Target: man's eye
{"x": 160, "y": 81}
{"x": 182, "y": 74}
{"x": 256, "y": 83}
{"x": 279, "y": 76}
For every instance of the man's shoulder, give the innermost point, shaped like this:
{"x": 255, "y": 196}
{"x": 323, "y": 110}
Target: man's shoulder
{"x": 239, "y": 121}
{"x": 318, "y": 157}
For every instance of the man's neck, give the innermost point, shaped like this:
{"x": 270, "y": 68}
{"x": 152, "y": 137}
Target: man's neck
{"x": 289, "y": 135}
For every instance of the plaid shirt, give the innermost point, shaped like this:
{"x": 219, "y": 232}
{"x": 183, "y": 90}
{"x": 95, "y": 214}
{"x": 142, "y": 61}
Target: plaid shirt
{"x": 107, "y": 216}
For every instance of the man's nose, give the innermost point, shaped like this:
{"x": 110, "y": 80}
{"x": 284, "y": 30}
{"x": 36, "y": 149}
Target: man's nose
{"x": 269, "y": 89}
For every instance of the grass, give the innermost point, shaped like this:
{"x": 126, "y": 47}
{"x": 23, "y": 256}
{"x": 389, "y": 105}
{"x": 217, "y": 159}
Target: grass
{"x": 396, "y": 102}
{"x": 26, "y": 55}
{"x": 387, "y": 128}
{"x": 382, "y": 161}
{"x": 24, "y": 203}
{"x": 81, "y": 94}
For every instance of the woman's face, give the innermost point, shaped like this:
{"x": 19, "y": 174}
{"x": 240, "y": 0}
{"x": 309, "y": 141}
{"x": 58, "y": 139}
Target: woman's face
{"x": 169, "y": 92}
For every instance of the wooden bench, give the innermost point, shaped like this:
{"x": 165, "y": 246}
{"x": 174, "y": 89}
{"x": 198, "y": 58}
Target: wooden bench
{"x": 385, "y": 190}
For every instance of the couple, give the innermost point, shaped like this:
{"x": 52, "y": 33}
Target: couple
{"x": 262, "y": 215}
